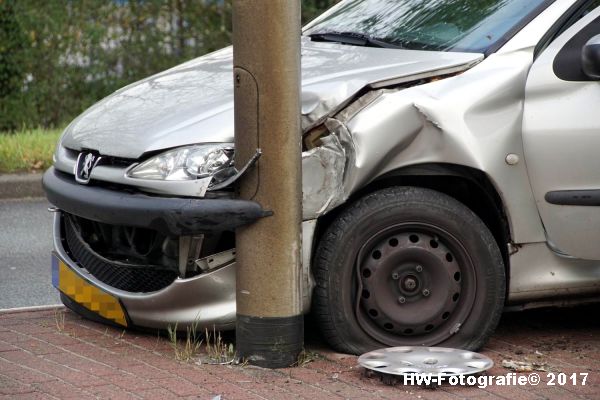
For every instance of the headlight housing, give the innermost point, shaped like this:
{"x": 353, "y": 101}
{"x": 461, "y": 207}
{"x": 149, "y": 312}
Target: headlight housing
{"x": 189, "y": 163}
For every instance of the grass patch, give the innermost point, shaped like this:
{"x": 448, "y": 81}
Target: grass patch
{"x": 306, "y": 357}
{"x": 27, "y": 150}
{"x": 217, "y": 350}
{"x": 59, "y": 320}
{"x": 187, "y": 350}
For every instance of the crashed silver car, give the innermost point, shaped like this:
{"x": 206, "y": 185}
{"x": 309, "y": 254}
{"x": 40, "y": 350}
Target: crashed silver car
{"x": 450, "y": 171}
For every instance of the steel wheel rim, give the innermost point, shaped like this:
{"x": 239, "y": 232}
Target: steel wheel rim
{"x": 410, "y": 282}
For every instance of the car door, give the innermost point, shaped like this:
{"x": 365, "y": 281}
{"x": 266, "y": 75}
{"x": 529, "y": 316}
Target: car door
{"x": 561, "y": 137}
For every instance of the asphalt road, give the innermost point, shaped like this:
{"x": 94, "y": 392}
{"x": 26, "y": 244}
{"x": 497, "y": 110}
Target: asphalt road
{"x": 25, "y": 245}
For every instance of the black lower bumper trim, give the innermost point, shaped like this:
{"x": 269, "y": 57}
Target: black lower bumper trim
{"x": 169, "y": 215}
{"x": 270, "y": 342}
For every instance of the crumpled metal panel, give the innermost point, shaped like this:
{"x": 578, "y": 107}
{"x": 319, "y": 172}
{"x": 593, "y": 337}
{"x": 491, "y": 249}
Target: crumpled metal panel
{"x": 325, "y": 170}
{"x": 323, "y": 177}
{"x": 468, "y": 119}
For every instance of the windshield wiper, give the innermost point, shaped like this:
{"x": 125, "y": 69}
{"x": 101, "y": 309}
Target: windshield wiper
{"x": 352, "y": 38}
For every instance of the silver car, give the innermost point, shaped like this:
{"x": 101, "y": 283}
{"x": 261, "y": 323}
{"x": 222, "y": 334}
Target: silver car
{"x": 450, "y": 170}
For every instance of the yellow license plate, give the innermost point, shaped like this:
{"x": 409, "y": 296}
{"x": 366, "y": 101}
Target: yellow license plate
{"x": 84, "y": 293}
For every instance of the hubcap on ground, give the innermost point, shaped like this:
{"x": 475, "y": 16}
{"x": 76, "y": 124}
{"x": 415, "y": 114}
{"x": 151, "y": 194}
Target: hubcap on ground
{"x": 425, "y": 360}
{"x": 410, "y": 285}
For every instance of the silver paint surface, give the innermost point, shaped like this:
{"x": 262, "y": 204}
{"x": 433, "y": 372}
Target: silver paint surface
{"x": 561, "y": 135}
{"x": 193, "y": 102}
{"x": 539, "y": 274}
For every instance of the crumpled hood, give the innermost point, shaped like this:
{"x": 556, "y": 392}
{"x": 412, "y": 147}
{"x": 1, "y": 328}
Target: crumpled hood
{"x": 193, "y": 102}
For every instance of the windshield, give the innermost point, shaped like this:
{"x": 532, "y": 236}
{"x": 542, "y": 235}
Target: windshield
{"x": 441, "y": 25}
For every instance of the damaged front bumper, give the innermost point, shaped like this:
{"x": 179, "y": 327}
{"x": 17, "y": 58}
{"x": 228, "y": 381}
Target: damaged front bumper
{"x": 170, "y": 215}
{"x": 206, "y": 300}
{"x": 151, "y": 297}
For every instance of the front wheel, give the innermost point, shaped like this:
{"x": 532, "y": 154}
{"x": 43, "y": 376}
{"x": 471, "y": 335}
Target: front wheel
{"x": 408, "y": 266}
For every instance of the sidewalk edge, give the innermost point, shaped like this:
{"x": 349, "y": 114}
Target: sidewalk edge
{"x": 30, "y": 309}
{"x": 18, "y": 186}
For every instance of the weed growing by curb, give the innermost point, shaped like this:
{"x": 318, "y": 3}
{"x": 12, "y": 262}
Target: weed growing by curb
{"x": 188, "y": 351}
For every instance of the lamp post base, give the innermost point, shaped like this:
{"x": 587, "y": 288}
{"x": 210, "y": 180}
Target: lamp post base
{"x": 270, "y": 342}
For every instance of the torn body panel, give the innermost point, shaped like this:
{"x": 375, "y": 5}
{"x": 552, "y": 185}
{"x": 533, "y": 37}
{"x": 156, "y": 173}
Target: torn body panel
{"x": 323, "y": 177}
{"x": 467, "y": 120}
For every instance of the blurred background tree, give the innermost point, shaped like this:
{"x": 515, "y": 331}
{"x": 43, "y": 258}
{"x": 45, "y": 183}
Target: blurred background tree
{"x": 13, "y": 43}
{"x": 58, "y": 57}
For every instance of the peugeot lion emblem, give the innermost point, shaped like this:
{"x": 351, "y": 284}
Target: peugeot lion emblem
{"x": 85, "y": 163}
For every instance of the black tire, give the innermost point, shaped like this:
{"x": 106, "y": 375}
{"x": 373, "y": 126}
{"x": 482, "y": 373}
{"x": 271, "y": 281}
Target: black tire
{"x": 417, "y": 246}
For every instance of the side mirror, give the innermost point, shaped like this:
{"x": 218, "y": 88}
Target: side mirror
{"x": 590, "y": 58}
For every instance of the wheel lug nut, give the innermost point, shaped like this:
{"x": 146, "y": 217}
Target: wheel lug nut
{"x": 401, "y": 300}
{"x": 418, "y": 268}
{"x": 395, "y": 276}
{"x": 410, "y": 283}
{"x": 426, "y": 292}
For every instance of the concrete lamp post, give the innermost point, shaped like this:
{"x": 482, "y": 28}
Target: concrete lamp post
{"x": 266, "y": 40}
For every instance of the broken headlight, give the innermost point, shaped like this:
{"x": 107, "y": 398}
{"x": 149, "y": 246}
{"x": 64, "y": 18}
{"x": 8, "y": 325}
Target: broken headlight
{"x": 189, "y": 163}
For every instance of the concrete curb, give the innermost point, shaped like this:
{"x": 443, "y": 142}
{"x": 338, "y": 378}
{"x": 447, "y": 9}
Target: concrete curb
{"x": 18, "y": 186}
{"x": 30, "y": 309}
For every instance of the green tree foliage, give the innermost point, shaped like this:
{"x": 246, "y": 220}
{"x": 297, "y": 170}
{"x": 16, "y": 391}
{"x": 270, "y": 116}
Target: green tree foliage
{"x": 13, "y": 43}
{"x": 312, "y": 8}
{"x": 61, "y": 56}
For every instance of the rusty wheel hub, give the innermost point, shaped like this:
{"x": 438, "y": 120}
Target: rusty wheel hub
{"x": 411, "y": 281}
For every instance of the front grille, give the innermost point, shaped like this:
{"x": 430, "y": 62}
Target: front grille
{"x": 105, "y": 160}
{"x": 120, "y": 275}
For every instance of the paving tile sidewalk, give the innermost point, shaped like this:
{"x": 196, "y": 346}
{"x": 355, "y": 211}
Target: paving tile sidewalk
{"x": 44, "y": 356}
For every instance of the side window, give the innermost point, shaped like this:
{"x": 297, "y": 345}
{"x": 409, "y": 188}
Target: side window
{"x": 575, "y": 14}
{"x": 567, "y": 64}
{"x": 591, "y": 7}
{"x": 580, "y": 13}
